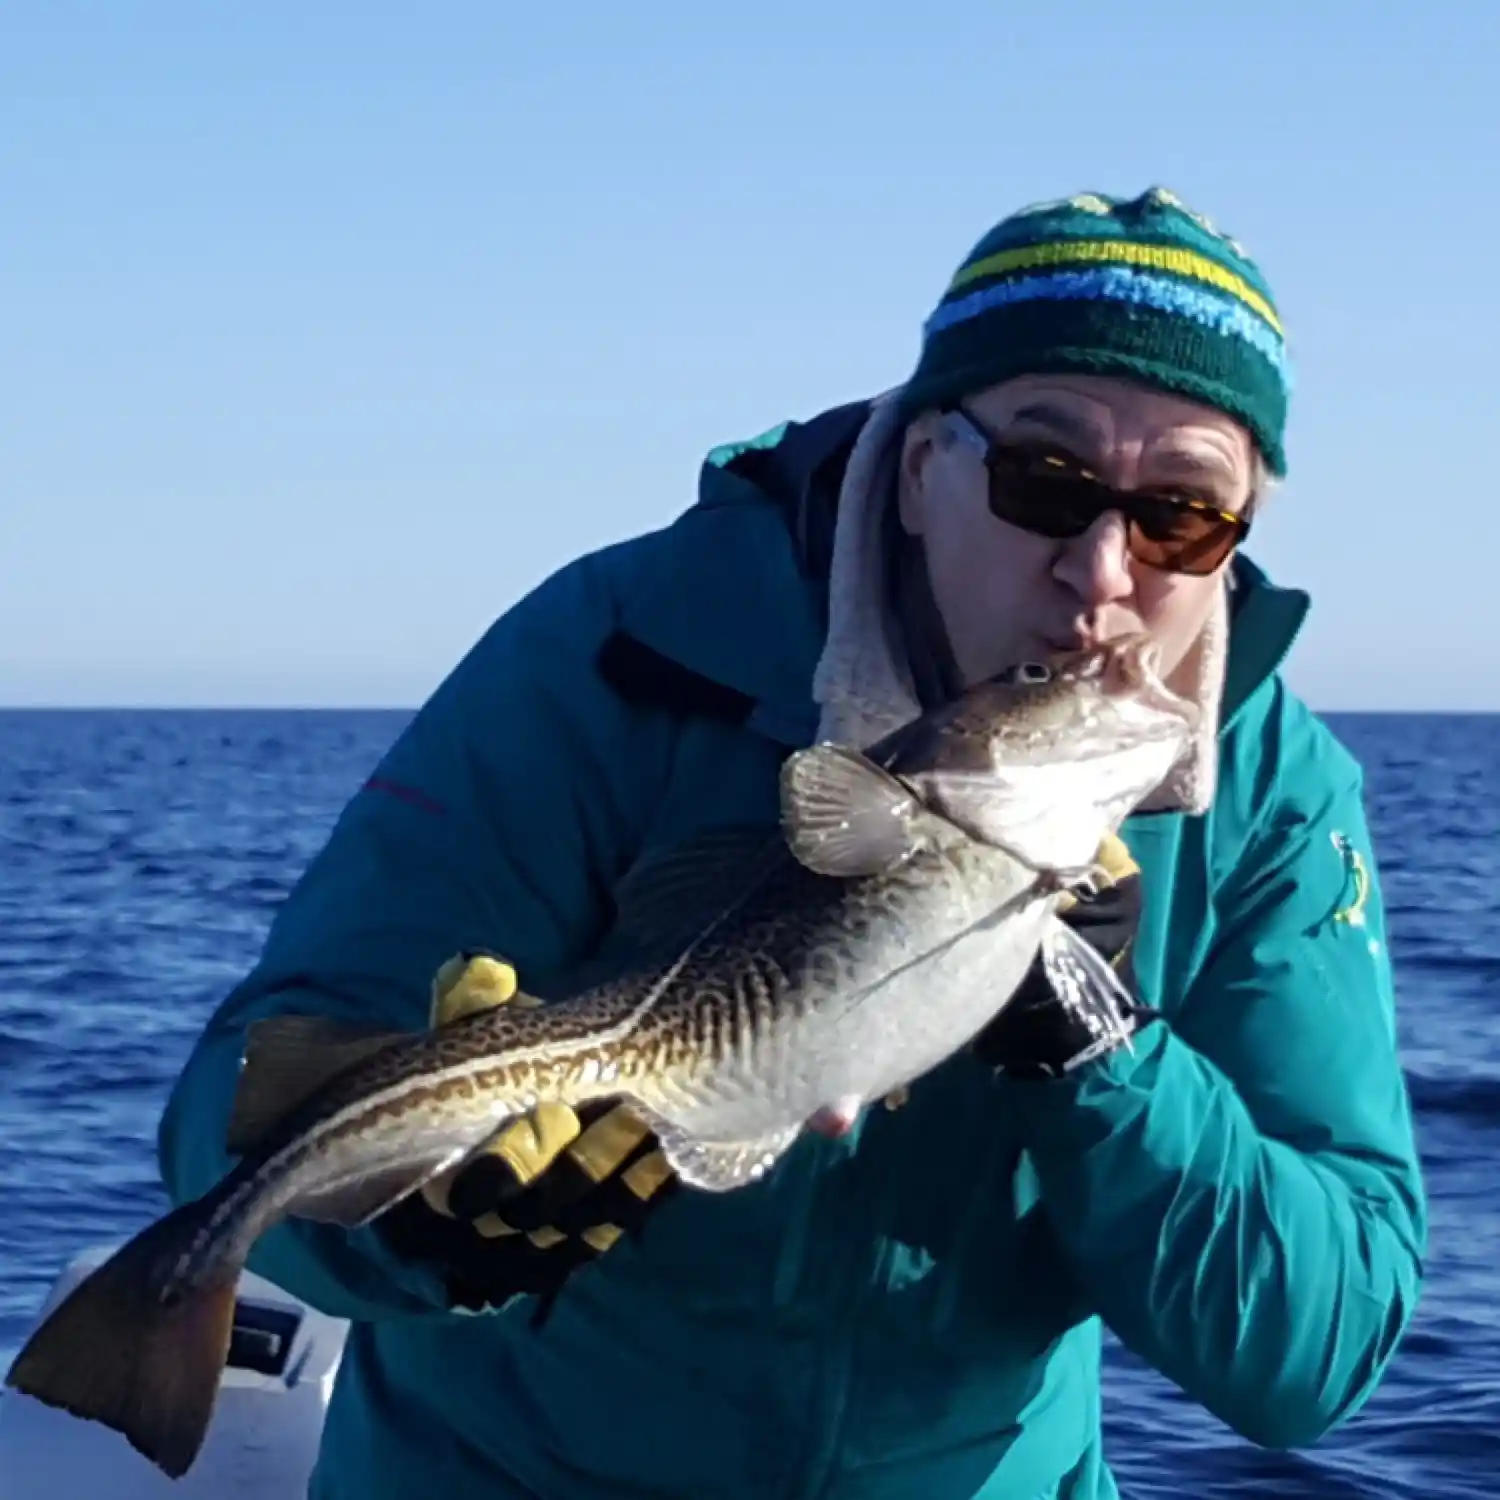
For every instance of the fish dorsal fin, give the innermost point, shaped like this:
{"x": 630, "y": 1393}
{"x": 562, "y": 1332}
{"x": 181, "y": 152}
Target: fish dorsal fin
{"x": 287, "y": 1060}
{"x": 845, "y": 816}
{"x": 668, "y": 900}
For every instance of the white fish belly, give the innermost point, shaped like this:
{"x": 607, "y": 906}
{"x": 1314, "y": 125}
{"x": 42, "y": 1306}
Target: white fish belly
{"x": 919, "y": 1018}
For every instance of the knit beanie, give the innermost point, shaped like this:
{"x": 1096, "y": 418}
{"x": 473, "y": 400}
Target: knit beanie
{"x": 1140, "y": 287}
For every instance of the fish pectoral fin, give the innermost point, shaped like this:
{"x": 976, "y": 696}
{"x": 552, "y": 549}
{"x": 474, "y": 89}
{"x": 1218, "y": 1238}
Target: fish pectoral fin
{"x": 845, "y": 816}
{"x": 721, "y": 1166}
{"x": 1084, "y": 982}
{"x": 287, "y": 1060}
{"x": 353, "y": 1203}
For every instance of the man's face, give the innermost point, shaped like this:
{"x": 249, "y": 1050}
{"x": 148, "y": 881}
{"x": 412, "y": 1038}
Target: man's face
{"x": 1008, "y": 595}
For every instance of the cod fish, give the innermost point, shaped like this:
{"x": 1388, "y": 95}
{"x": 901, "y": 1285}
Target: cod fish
{"x": 825, "y": 965}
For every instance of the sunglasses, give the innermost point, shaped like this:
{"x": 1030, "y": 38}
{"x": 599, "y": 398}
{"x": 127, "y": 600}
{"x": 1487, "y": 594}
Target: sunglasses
{"x": 1048, "y": 495}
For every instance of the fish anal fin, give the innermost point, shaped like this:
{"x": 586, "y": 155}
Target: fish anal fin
{"x": 287, "y": 1060}
{"x": 355, "y": 1201}
{"x": 722, "y": 1166}
{"x": 845, "y": 816}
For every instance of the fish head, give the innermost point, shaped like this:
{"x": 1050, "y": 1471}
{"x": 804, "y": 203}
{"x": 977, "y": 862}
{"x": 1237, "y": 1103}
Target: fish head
{"x": 1047, "y": 758}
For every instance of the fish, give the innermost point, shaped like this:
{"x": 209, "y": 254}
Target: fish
{"x": 777, "y": 979}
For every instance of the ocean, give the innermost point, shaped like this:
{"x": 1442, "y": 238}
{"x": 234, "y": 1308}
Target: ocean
{"x": 142, "y": 855}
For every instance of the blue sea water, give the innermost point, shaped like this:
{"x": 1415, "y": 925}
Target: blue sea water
{"x": 142, "y": 856}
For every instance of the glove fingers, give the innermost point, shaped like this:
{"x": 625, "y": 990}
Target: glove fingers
{"x": 521, "y": 1152}
{"x": 541, "y": 1260}
{"x": 621, "y": 1203}
{"x": 585, "y": 1179}
{"x": 556, "y": 1169}
{"x": 471, "y": 982}
{"x": 1116, "y": 860}
{"x": 525, "y": 1153}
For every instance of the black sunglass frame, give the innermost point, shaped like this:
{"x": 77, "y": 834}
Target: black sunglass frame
{"x": 1001, "y": 459}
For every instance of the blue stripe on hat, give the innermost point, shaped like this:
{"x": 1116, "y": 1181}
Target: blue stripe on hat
{"x": 1120, "y": 284}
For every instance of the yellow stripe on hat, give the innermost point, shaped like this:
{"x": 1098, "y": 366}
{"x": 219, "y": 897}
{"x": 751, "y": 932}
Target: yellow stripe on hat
{"x": 1059, "y": 253}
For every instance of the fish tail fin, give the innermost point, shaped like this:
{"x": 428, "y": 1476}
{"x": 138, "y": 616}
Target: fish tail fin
{"x": 136, "y": 1348}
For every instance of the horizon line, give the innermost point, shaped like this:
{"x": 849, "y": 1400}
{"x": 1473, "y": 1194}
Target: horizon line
{"x": 403, "y": 708}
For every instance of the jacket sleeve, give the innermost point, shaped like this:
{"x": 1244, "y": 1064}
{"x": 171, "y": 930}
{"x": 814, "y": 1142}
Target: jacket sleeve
{"x": 493, "y": 822}
{"x": 1240, "y": 1198}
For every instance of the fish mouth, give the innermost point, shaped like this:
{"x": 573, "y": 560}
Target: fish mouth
{"x": 1136, "y": 663}
{"x": 1129, "y": 670}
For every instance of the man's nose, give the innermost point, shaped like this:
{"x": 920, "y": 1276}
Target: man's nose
{"x": 1096, "y": 565}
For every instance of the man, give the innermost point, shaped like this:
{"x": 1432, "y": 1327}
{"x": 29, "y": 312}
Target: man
{"x": 914, "y": 1308}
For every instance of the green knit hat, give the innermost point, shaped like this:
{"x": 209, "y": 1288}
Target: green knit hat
{"x": 1140, "y": 287}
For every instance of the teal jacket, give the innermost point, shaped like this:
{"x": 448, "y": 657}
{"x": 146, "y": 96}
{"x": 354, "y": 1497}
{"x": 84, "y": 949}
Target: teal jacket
{"x": 915, "y": 1309}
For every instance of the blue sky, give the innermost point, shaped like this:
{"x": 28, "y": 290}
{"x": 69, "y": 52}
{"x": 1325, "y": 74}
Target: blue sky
{"x": 330, "y": 329}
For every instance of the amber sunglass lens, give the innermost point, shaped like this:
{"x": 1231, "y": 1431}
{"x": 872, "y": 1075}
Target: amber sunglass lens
{"x": 1051, "y": 502}
{"x": 1180, "y": 540}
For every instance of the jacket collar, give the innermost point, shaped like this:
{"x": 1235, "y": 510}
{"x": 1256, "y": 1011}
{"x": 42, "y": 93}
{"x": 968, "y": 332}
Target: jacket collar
{"x": 727, "y": 599}
{"x": 1265, "y": 619}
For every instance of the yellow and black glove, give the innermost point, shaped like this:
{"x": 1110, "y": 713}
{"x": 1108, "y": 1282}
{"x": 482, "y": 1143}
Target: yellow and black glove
{"x": 1039, "y": 1034}
{"x": 553, "y": 1192}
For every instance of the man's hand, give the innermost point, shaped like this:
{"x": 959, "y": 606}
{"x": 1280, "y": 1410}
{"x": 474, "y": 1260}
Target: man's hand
{"x": 554, "y": 1191}
{"x": 1039, "y": 1034}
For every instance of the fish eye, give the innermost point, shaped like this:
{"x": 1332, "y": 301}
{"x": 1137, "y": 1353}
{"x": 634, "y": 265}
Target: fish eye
{"x": 1032, "y": 672}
